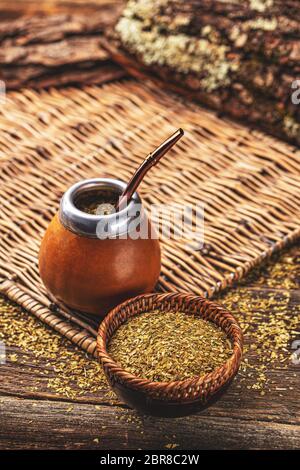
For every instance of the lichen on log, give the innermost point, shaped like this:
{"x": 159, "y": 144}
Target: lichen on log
{"x": 239, "y": 57}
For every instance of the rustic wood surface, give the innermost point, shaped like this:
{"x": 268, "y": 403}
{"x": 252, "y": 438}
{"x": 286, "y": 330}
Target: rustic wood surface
{"x": 37, "y": 417}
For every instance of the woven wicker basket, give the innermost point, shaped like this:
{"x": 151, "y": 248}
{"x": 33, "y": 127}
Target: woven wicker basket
{"x": 169, "y": 398}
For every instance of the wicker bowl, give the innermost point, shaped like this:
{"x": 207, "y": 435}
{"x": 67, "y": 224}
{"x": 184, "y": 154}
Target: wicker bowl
{"x": 169, "y": 398}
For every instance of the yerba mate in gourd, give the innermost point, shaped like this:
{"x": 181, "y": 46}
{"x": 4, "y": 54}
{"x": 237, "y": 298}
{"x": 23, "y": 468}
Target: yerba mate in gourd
{"x": 91, "y": 262}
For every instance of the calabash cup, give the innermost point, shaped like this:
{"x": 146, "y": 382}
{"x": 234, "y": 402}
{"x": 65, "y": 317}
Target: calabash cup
{"x": 175, "y": 398}
{"x": 91, "y": 262}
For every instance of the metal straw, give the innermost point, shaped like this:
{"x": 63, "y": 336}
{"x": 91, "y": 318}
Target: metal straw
{"x": 151, "y": 160}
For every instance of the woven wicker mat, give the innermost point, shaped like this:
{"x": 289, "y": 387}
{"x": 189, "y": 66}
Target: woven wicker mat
{"x": 250, "y": 185}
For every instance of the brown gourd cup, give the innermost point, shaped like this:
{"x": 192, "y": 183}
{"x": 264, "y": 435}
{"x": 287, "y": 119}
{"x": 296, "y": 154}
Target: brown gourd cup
{"x": 91, "y": 263}
{"x": 176, "y": 398}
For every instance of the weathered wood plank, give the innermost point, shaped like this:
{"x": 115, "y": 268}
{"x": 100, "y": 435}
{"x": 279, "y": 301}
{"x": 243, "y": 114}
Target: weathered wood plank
{"x": 280, "y": 404}
{"x": 17, "y": 8}
{"x": 84, "y": 427}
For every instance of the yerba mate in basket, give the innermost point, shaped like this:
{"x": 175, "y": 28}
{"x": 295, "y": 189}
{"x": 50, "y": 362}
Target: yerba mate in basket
{"x": 169, "y": 373}
{"x": 101, "y": 249}
{"x": 168, "y": 346}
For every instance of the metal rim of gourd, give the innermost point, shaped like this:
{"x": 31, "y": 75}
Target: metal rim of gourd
{"x": 84, "y": 224}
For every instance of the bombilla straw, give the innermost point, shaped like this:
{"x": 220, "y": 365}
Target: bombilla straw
{"x": 151, "y": 160}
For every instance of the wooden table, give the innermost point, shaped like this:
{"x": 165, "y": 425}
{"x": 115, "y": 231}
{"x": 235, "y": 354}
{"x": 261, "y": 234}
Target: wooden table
{"x": 249, "y": 415}
{"x": 44, "y": 407}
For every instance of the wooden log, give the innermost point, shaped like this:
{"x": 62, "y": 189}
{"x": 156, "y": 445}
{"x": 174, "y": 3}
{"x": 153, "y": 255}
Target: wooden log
{"x": 240, "y": 58}
{"x": 12, "y": 10}
{"x": 39, "y": 51}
